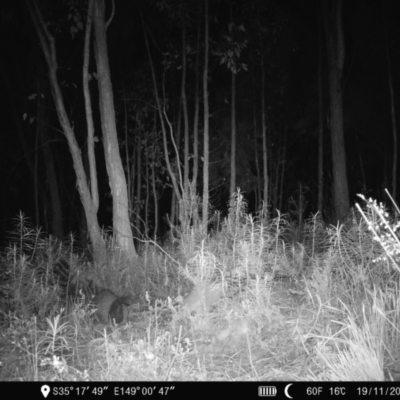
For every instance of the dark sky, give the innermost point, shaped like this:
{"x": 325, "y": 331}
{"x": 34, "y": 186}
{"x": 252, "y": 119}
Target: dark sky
{"x": 290, "y": 38}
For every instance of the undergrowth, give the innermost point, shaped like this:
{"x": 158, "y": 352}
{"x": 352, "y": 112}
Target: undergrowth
{"x": 262, "y": 306}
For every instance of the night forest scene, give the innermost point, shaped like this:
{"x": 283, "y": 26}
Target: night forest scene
{"x": 199, "y": 190}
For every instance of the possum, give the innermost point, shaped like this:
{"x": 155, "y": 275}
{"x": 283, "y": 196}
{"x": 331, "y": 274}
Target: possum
{"x": 110, "y": 306}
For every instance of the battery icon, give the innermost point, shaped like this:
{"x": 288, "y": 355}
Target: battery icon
{"x": 266, "y": 391}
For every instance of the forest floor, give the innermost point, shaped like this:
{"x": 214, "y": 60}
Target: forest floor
{"x": 253, "y": 301}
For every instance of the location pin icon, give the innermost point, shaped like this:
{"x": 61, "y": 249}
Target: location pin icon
{"x": 45, "y": 390}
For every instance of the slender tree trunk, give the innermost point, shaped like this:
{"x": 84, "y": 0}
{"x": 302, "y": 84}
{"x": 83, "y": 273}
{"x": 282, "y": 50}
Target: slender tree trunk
{"x": 320, "y": 117}
{"x": 83, "y": 227}
{"x": 48, "y": 46}
{"x": 274, "y": 189}
{"x": 283, "y": 163}
{"x": 154, "y": 162}
{"x": 42, "y": 131}
{"x": 336, "y": 55}
{"x": 176, "y": 166}
{"x": 138, "y": 201}
{"x": 364, "y": 181}
{"x": 258, "y": 182}
{"x": 133, "y": 177}
{"x": 196, "y": 107}
{"x": 160, "y": 113}
{"x": 127, "y": 158}
{"x": 233, "y": 122}
{"x": 233, "y": 134}
{"x": 153, "y": 179}
{"x": 264, "y": 141}
{"x": 385, "y": 183}
{"x": 146, "y": 210}
{"x": 393, "y": 115}
{"x": 121, "y": 223}
{"x": 172, "y": 219}
{"x": 89, "y": 112}
{"x": 206, "y": 124}
{"x": 35, "y": 181}
{"x": 185, "y": 115}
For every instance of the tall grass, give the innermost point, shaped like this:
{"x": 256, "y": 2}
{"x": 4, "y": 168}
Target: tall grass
{"x": 279, "y": 304}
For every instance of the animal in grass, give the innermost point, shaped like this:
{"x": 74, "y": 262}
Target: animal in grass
{"x": 202, "y": 299}
{"x": 110, "y": 307}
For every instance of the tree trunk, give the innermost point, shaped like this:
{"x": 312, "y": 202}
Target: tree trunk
{"x": 336, "y": 55}
{"x": 393, "y": 115}
{"x": 283, "y": 163}
{"x": 138, "y": 202}
{"x": 206, "y": 124}
{"x": 264, "y": 141}
{"x": 127, "y": 158}
{"x": 196, "y": 108}
{"x": 172, "y": 218}
{"x": 89, "y": 112}
{"x": 185, "y": 116}
{"x": 233, "y": 134}
{"x": 320, "y": 117}
{"x": 153, "y": 176}
{"x": 133, "y": 178}
{"x": 362, "y": 170}
{"x": 160, "y": 113}
{"x": 55, "y": 201}
{"x": 146, "y": 208}
{"x": 48, "y": 46}
{"x": 258, "y": 181}
{"x": 121, "y": 223}
{"x": 174, "y": 207}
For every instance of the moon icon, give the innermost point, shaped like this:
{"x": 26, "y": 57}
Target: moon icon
{"x": 287, "y": 391}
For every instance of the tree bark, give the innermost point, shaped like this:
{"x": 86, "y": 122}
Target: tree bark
{"x": 176, "y": 167}
{"x": 89, "y": 112}
{"x": 283, "y": 164}
{"x": 206, "y": 124}
{"x": 336, "y": 55}
{"x": 153, "y": 180}
{"x": 146, "y": 208}
{"x": 233, "y": 133}
{"x": 320, "y": 116}
{"x": 138, "y": 202}
{"x": 127, "y": 158}
{"x": 48, "y": 46}
{"x": 256, "y": 160}
{"x": 393, "y": 115}
{"x": 121, "y": 222}
{"x": 258, "y": 180}
{"x": 196, "y": 108}
{"x": 264, "y": 141}
{"x": 185, "y": 116}
{"x": 42, "y": 130}
{"x": 161, "y": 116}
